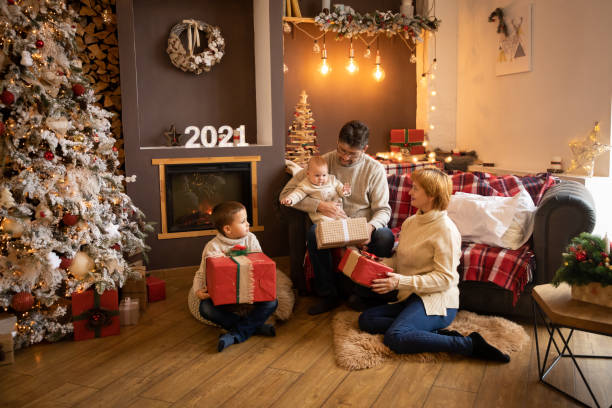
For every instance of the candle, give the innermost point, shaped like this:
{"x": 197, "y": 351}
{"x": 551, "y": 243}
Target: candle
{"x": 325, "y": 5}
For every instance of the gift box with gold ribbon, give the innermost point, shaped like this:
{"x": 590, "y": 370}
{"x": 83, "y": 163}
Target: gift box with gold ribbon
{"x": 241, "y": 277}
{"x": 362, "y": 267}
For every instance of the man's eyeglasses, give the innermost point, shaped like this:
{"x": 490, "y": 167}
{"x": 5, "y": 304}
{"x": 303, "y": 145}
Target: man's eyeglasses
{"x": 347, "y": 154}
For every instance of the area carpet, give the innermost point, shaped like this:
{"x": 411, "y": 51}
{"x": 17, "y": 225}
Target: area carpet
{"x": 356, "y": 350}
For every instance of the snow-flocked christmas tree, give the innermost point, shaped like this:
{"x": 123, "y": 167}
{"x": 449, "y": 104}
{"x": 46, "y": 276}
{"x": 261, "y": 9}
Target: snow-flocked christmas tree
{"x": 302, "y": 135}
{"x": 65, "y": 222}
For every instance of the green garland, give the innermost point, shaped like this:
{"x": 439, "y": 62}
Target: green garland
{"x": 345, "y": 21}
{"x": 586, "y": 260}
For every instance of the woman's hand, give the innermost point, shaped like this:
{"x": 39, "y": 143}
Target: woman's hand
{"x": 331, "y": 209}
{"x": 386, "y": 285}
{"x": 202, "y": 294}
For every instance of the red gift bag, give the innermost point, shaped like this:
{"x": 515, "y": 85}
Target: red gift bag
{"x": 95, "y": 315}
{"x": 362, "y": 267}
{"x": 241, "y": 279}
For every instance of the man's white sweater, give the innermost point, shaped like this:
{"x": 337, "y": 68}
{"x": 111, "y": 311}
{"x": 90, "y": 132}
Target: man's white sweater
{"x": 427, "y": 256}
{"x": 369, "y": 189}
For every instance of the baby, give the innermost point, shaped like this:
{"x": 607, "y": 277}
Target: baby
{"x": 318, "y": 184}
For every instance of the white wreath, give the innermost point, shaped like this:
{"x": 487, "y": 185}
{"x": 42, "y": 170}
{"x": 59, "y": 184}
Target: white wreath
{"x": 187, "y": 60}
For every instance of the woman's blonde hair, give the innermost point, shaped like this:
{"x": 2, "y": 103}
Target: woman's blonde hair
{"x": 436, "y": 184}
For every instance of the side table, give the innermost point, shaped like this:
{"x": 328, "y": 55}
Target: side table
{"x": 558, "y": 310}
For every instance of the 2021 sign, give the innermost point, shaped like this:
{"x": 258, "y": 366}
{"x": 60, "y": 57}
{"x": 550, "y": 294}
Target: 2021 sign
{"x": 210, "y": 137}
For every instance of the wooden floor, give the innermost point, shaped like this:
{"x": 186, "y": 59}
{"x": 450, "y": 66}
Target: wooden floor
{"x": 170, "y": 360}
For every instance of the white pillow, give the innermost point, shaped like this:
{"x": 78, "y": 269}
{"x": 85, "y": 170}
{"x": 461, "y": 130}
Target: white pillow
{"x": 497, "y": 221}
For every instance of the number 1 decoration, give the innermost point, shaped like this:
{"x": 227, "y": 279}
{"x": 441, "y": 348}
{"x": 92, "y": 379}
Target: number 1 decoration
{"x": 226, "y": 136}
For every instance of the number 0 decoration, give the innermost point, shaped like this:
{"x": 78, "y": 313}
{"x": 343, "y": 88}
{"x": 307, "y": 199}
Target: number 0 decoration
{"x": 209, "y": 137}
{"x": 186, "y": 60}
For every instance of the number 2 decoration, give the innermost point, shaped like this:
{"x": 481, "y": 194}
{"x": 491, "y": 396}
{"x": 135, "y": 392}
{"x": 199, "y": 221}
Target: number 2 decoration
{"x": 209, "y": 137}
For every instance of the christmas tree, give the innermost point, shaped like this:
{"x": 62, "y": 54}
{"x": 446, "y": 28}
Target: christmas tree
{"x": 302, "y": 143}
{"x": 66, "y": 223}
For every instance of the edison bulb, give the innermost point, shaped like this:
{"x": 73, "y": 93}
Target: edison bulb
{"x": 324, "y": 68}
{"x": 378, "y": 73}
{"x": 433, "y": 92}
{"x": 352, "y": 66}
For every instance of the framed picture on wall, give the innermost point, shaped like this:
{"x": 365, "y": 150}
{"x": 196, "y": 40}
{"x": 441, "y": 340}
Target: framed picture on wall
{"x": 514, "y": 49}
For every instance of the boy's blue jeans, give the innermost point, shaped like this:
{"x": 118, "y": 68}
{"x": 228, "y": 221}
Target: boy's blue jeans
{"x": 321, "y": 259}
{"x": 241, "y": 327}
{"x": 408, "y": 329}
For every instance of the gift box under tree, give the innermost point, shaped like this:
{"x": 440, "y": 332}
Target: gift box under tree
{"x": 95, "y": 315}
{"x": 362, "y": 267}
{"x": 340, "y": 233}
{"x": 136, "y": 288}
{"x": 241, "y": 277}
{"x": 156, "y": 289}
{"x": 411, "y": 139}
{"x": 7, "y": 355}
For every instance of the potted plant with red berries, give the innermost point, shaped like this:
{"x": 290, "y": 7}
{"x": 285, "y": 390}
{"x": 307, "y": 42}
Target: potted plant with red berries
{"x": 586, "y": 267}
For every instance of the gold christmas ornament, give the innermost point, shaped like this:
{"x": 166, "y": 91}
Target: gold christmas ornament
{"x": 81, "y": 265}
{"x": 585, "y": 151}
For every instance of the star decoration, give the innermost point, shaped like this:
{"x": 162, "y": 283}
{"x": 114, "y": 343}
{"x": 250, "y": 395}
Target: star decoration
{"x": 585, "y": 151}
{"x": 173, "y": 138}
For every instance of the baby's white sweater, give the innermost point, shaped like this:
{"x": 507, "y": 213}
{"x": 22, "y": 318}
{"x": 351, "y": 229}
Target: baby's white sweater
{"x": 219, "y": 246}
{"x": 428, "y": 256}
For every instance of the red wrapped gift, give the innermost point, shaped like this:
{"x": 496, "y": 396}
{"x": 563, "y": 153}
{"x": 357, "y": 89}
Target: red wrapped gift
{"x": 416, "y": 135}
{"x": 398, "y": 136}
{"x": 417, "y": 149}
{"x": 362, "y": 267}
{"x": 156, "y": 289}
{"x": 241, "y": 278}
{"x": 95, "y": 315}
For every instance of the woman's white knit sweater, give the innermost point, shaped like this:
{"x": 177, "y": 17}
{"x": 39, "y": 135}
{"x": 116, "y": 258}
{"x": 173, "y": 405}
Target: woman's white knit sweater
{"x": 427, "y": 256}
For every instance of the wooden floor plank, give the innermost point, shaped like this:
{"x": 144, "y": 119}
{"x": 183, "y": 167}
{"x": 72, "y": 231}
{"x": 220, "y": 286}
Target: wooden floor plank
{"x": 266, "y": 388}
{"x": 464, "y": 374}
{"x": 65, "y": 395}
{"x": 235, "y": 375}
{"x": 148, "y": 403}
{"x": 409, "y": 385}
{"x": 315, "y": 385}
{"x": 361, "y": 388}
{"x": 118, "y": 394}
{"x": 441, "y": 397}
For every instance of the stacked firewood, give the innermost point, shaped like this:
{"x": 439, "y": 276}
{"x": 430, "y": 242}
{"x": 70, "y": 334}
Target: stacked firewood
{"x": 97, "y": 40}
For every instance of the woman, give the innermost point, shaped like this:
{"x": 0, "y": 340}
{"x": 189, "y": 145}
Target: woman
{"x": 426, "y": 279}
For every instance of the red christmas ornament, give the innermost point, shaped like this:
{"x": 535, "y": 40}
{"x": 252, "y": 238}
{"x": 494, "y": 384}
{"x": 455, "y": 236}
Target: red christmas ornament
{"x": 116, "y": 247}
{"x": 7, "y": 97}
{"x": 22, "y": 301}
{"x": 581, "y": 256}
{"x": 49, "y": 156}
{"x": 39, "y": 43}
{"x": 78, "y": 89}
{"x": 65, "y": 263}
{"x": 70, "y": 219}
{"x": 10, "y": 2}
{"x": 114, "y": 148}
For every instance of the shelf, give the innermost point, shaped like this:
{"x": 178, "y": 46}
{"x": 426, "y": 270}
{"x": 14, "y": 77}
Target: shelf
{"x": 299, "y": 19}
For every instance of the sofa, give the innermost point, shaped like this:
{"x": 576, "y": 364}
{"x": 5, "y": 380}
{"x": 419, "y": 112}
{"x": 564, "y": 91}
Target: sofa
{"x": 564, "y": 209}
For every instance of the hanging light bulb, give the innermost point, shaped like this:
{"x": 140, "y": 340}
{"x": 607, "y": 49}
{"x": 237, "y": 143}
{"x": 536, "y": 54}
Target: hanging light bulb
{"x": 434, "y": 64}
{"x": 285, "y": 68}
{"x": 324, "y": 68}
{"x": 433, "y": 92}
{"x": 423, "y": 80}
{"x": 352, "y": 66}
{"x": 367, "y": 53}
{"x": 378, "y": 73}
{"x": 286, "y": 27}
{"x": 315, "y": 47}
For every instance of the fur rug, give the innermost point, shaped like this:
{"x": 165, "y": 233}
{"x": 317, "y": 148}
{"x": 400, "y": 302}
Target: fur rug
{"x": 356, "y": 350}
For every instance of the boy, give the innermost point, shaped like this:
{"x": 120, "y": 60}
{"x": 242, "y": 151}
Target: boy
{"x": 318, "y": 184}
{"x": 230, "y": 219}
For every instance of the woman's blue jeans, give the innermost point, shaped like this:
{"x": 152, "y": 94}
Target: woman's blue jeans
{"x": 408, "y": 329}
{"x": 241, "y": 327}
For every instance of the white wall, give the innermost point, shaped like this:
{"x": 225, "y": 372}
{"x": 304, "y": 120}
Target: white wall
{"x": 520, "y": 121}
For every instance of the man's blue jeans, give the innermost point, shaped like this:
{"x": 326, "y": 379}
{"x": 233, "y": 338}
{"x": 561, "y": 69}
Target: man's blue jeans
{"x": 408, "y": 329}
{"x": 241, "y": 327}
{"x": 321, "y": 259}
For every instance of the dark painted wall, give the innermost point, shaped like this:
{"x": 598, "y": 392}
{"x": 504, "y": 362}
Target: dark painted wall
{"x": 340, "y": 97}
{"x": 155, "y": 94}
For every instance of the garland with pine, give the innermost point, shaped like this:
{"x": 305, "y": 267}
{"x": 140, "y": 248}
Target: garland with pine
{"x": 586, "y": 260}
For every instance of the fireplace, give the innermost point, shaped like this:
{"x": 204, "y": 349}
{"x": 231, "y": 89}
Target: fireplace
{"x": 190, "y": 189}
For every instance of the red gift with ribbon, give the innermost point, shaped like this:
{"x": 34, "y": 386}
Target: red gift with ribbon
{"x": 241, "y": 277}
{"x": 362, "y": 267}
{"x": 95, "y": 315}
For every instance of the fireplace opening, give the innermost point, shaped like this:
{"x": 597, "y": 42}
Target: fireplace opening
{"x": 193, "y": 190}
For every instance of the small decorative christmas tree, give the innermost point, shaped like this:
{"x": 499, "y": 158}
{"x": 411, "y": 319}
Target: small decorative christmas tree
{"x": 586, "y": 260}
{"x": 302, "y": 139}
{"x": 66, "y": 223}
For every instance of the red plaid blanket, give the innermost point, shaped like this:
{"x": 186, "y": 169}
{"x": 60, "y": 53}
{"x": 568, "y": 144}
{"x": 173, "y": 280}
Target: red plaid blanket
{"x": 506, "y": 268}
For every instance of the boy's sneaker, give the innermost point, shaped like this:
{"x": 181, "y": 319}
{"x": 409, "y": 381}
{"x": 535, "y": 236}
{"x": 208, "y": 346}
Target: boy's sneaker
{"x": 225, "y": 340}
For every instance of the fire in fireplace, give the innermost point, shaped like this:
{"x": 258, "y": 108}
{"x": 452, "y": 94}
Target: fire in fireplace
{"x": 193, "y": 190}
